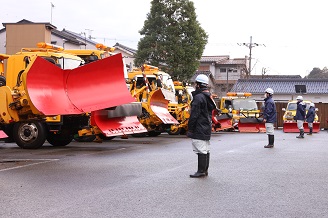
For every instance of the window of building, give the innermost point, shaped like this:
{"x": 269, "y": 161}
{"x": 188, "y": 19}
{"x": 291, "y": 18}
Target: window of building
{"x": 223, "y": 70}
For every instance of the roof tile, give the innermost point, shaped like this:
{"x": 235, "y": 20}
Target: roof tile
{"x": 281, "y": 86}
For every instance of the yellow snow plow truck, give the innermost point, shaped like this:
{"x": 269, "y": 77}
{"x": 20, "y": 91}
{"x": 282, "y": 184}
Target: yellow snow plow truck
{"x": 290, "y": 125}
{"x": 244, "y": 112}
{"x": 154, "y": 89}
{"x": 48, "y": 94}
{"x": 2, "y": 69}
{"x": 120, "y": 120}
{"x": 180, "y": 108}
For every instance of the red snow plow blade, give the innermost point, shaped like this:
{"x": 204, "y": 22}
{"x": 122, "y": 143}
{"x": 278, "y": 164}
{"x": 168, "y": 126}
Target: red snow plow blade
{"x": 251, "y": 125}
{"x": 91, "y": 87}
{"x": 221, "y": 121}
{"x": 292, "y": 127}
{"x": 159, "y": 106}
{"x": 3, "y": 134}
{"x": 120, "y": 121}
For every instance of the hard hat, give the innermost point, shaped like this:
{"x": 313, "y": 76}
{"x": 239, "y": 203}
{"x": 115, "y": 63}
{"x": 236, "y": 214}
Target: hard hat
{"x": 269, "y": 90}
{"x": 202, "y": 78}
{"x": 311, "y": 104}
{"x": 299, "y": 98}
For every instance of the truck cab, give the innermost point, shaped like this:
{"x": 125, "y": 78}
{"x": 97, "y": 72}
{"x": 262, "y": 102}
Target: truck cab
{"x": 290, "y": 125}
{"x": 243, "y": 110}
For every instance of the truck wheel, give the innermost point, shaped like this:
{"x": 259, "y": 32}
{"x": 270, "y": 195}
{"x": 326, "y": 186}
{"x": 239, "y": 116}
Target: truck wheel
{"x": 29, "y": 135}
{"x": 61, "y": 139}
{"x": 105, "y": 138}
{"x": 2, "y": 81}
{"x": 88, "y": 138}
{"x": 139, "y": 135}
{"x": 174, "y": 131}
{"x": 153, "y": 133}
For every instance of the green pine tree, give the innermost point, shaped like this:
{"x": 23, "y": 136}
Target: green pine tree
{"x": 172, "y": 38}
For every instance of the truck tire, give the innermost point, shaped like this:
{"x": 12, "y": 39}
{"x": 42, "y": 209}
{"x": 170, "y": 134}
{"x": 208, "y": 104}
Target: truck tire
{"x": 139, "y": 135}
{"x": 61, "y": 139}
{"x": 89, "y": 138}
{"x": 106, "y": 138}
{"x": 2, "y": 81}
{"x": 174, "y": 132}
{"x": 153, "y": 133}
{"x": 29, "y": 135}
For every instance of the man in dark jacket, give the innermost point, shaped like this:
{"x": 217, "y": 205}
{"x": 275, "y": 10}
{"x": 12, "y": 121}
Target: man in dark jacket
{"x": 310, "y": 117}
{"x": 200, "y": 124}
{"x": 300, "y": 116}
{"x": 270, "y": 116}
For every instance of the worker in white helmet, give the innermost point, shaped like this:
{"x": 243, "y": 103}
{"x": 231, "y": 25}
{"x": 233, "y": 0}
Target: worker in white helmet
{"x": 310, "y": 117}
{"x": 300, "y": 116}
{"x": 269, "y": 116}
{"x": 200, "y": 125}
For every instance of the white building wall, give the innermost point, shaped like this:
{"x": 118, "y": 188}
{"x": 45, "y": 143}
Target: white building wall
{"x": 223, "y": 75}
{"x": 3, "y": 42}
{"x": 128, "y": 59}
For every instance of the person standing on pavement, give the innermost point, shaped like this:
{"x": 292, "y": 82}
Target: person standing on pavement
{"x": 300, "y": 116}
{"x": 270, "y": 116}
{"x": 310, "y": 117}
{"x": 200, "y": 124}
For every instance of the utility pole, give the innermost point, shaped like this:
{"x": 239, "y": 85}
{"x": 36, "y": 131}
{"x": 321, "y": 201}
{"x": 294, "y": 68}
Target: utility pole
{"x": 250, "y": 45}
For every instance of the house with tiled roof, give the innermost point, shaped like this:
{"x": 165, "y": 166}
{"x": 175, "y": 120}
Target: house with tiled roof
{"x": 127, "y": 53}
{"x": 66, "y": 41}
{"x": 26, "y": 34}
{"x": 285, "y": 89}
{"x": 226, "y": 71}
{"x": 207, "y": 73}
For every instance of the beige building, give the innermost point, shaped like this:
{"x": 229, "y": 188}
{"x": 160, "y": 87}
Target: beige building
{"x": 225, "y": 71}
{"x": 26, "y": 34}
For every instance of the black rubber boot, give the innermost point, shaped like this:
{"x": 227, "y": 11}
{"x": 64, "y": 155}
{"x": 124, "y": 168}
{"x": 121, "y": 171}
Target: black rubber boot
{"x": 271, "y": 141}
{"x": 201, "y": 166}
{"x": 301, "y": 136}
{"x": 311, "y": 130}
{"x": 207, "y": 163}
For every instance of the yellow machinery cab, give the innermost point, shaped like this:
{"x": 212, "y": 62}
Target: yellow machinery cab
{"x": 290, "y": 125}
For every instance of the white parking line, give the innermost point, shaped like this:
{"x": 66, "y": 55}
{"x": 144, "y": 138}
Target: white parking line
{"x": 26, "y": 165}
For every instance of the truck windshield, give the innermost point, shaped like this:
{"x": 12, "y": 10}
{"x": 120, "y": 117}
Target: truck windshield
{"x": 244, "y": 104}
{"x": 67, "y": 63}
{"x": 293, "y": 106}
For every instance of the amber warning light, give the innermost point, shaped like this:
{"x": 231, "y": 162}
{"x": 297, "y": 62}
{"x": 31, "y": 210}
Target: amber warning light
{"x": 49, "y": 46}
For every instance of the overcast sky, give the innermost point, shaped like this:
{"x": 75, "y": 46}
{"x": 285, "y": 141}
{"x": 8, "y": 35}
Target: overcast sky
{"x": 294, "y": 32}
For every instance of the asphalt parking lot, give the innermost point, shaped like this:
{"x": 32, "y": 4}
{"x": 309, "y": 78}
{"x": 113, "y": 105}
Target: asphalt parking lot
{"x": 149, "y": 177}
